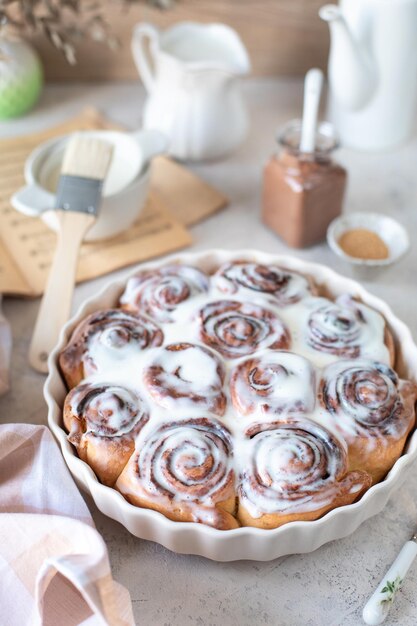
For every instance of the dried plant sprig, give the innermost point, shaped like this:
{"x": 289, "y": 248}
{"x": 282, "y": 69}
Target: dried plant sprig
{"x": 65, "y": 22}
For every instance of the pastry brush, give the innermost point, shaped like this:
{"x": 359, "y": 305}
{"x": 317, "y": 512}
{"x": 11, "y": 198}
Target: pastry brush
{"x": 85, "y": 165}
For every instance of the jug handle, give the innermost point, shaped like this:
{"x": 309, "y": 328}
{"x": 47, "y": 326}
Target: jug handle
{"x": 141, "y": 32}
{"x": 32, "y": 200}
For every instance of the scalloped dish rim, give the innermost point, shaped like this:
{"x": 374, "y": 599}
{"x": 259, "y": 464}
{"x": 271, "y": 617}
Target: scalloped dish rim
{"x": 245, "y": 542}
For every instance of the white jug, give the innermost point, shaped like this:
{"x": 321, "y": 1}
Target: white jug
{"x": 372, "y": 71}
{"x": 193, "y": 96}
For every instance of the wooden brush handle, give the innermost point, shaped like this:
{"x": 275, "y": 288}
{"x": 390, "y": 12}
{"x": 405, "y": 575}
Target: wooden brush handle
{"x": 55, "y": 307}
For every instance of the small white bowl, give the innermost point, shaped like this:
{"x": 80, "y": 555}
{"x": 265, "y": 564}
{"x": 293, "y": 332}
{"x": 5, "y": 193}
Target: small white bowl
{"x": 392, "y": 233}
{"x": 117, "y": 211}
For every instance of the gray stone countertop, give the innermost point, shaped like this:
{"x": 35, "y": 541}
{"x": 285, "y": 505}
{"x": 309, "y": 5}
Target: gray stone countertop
{"x": 330, "y": 585}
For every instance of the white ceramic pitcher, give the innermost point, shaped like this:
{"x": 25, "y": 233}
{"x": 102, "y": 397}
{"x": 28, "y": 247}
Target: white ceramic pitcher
{"x": 190, "y": 72}
{"x": 372, "y": 71}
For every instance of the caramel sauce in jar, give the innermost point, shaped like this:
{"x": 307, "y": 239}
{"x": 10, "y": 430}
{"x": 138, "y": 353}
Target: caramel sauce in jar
{"x": 303, "y": 193}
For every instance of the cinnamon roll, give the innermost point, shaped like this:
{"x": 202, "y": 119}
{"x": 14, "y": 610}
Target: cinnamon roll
{"x": 348, "y": 329}
{"x": 372, "y": 409}
{"x": 236, "y": 398}
{"x": 237, "y": 329}
{"x": 158, "y": 293}
{"x": 183, "y": 469}
{"x": 102, "y": 340}
{"x": 275, "y": 382}
{"x": 285, "y": 286}
{"x": 294, "y": 470}
{"x": 103, "y": 421}
{"x": 184, "y": 376}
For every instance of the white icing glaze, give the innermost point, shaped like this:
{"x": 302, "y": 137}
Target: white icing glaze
{"x": 294, "y": 467}
{"x": 287, "y": 287}
{"x": 190, "y": 460}
{"x": 158, "y": 293}
{"x": 361, "y": 397}
{"x": 367, "y": 335}
{"x": 295, "y": 317}
{"x": 124, "y": 336}
{"x": 273, "y": 382}
{"x": 109, "y": 410}
{"x": 237, "y": 328}
{"x": 196, "y": 368}
{"x": 181, "y": 375}
{"x": 184, "y": 326}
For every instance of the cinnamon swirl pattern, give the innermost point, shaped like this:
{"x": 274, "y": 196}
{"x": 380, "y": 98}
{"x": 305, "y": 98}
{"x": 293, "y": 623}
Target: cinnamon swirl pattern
{"x": 276, "y": 382}
{"x": 344, "y": 328}
{"x": 371, "y": 408}
{"x": 236, "y": 329}
{"x": 103, "y": 339}
{"x": 242, "y": 397}
{"x": 285, "y": 286}
{"x": 184, "y": 376}
{"x": 103, "y": 421}
{"x": 294, "y": 469}
{"x": 158, "y": 293}
{"x": 184, "y": 470}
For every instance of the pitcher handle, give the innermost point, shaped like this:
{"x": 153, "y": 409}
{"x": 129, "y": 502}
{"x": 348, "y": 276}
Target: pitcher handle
{"x": 141, "y": 32}
{"x": 152, "y": 143}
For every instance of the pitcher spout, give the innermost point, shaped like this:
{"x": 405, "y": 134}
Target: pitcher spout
{"x": 352, "y": 75}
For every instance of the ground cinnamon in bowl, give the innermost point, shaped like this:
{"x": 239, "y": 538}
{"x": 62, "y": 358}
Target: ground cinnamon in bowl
{"x": 362, "y": 243}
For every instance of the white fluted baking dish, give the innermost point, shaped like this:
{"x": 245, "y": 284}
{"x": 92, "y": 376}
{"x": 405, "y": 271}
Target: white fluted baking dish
{"x": 246, "y": 542}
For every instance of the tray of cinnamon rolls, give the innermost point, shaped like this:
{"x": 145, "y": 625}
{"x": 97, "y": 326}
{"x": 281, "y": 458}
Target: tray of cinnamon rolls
{"x": 236, "y": 405}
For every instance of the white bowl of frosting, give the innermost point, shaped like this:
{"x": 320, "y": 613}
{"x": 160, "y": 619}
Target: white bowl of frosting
{"x": 123, "y": 198}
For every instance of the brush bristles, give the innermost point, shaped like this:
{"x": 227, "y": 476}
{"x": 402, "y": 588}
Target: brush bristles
{"x": 87, "y": 157}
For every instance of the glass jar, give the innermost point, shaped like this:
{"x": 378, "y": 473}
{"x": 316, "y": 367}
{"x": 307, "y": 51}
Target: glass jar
{"x": 303, "y": 193}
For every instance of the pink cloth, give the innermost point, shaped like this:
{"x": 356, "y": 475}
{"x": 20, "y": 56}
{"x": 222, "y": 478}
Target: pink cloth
{"x": 54, "y": 566}
{"x": 5, "y": 352}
